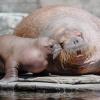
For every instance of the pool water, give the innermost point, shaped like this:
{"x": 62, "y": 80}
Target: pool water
{"x": 11, "y": 95}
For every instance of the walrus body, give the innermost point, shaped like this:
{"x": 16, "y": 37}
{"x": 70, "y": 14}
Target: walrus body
{"x": 23, "y": 54}
{"x": 77, "y": 33}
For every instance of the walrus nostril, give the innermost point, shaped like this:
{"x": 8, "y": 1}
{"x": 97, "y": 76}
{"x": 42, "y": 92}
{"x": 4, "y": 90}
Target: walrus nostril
{"x": 78, "y": 52}
{"x": 75, "y": 42}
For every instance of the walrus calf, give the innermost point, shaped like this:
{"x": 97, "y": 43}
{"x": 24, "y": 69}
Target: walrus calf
{"x": 77, "y": 33}
{"x": 23, "y": 54}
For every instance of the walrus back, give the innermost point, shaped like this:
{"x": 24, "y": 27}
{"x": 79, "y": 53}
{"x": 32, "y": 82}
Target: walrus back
{"x": 46, "y": 20}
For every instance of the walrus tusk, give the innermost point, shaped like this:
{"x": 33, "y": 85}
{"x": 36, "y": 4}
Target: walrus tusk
{"x": 56, "y": 50}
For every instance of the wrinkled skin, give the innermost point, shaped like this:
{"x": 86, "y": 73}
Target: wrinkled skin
{"x": 75, "y": 57}
{"x": 23, "y": 54}
{"x": 77, "y": 35}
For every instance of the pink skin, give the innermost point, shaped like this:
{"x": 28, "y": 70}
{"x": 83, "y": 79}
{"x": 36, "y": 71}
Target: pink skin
{"x": 35, "y": 59}
{"x": 31, "y": 53}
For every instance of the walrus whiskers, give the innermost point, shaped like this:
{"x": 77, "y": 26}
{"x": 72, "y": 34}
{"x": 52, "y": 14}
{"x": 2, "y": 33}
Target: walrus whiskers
{"x": 89, "y": 52}
{"x": 62, "y": 58}
{"x": 69, "y": 57}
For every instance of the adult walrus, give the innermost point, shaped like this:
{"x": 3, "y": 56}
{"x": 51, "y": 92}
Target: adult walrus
{"x": 23, "y": 54}
{"x": 77, "y": 33}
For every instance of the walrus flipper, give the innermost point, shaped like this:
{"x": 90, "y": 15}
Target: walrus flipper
{"x": 11, "y": 71}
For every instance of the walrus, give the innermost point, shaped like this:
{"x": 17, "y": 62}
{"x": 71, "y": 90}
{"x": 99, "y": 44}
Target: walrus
{"x": 23, "y": 54}
{"x": 76, "y": 32}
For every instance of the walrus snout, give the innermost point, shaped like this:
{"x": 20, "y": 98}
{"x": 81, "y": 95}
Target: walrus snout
{"x": 75, "y": 44}
{"x": 72, "y": 51}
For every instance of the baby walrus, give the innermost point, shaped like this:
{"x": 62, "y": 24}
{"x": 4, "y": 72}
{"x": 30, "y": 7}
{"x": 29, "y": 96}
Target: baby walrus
{"x": 77, "y": 34}
{"x": 23, "y": 54}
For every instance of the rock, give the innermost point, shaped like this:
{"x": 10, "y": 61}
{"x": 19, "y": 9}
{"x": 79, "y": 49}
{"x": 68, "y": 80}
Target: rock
{"x": 84, "y": 79}
{"x": 8, "y": 21}
{"x": 55, "y": 84}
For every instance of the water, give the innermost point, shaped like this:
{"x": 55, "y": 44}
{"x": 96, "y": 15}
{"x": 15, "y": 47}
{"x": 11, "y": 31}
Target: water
{"x": 11, "y": 95}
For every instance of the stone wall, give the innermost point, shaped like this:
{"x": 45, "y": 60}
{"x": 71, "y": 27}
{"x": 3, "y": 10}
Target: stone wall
{"x": 92, "y": 6}
{"x": 25, "y": 6}
{"x": 18, "y": 5}
{"x": 12, "y": 11}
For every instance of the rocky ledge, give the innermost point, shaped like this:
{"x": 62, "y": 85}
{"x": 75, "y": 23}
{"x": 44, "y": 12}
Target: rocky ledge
{"x": 55, "y": 84}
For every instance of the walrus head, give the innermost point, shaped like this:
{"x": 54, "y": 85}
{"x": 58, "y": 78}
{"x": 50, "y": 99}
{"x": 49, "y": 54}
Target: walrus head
{"x": 73, "y": 49}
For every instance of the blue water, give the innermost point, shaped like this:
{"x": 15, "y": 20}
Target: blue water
{"x": 11, "y": 95}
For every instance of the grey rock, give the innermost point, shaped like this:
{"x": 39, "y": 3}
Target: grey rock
{"x": 55, "y": 83}
{"x": 8, "y": 21}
